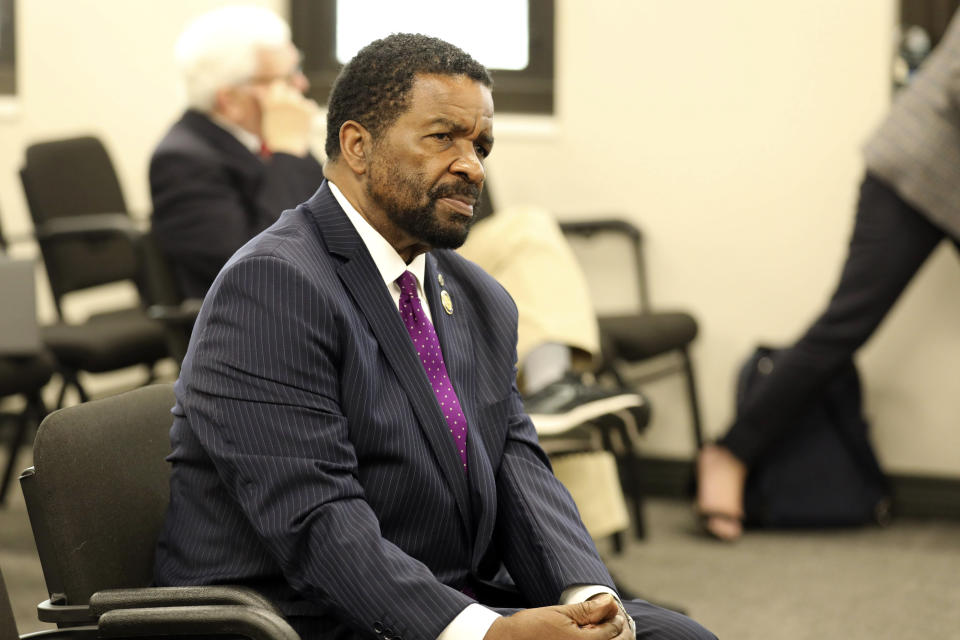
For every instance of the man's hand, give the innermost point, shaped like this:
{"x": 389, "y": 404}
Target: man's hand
{"x": 287, "y": 117}
{"x": 596, "y": 619}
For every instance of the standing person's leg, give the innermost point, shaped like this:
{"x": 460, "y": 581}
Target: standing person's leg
{"x": 890, "y": 242}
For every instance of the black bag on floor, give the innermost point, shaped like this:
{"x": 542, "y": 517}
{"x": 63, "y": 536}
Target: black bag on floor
{"x": 824, "y": 471}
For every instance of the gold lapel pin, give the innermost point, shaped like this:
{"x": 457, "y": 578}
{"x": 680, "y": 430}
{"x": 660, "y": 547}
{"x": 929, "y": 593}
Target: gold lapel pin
{"x": 446, "y": 302}
{"x": 440, "y": 279}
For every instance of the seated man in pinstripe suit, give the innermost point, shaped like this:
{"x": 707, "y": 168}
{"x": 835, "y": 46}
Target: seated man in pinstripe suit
{"x": 348, "y": 437}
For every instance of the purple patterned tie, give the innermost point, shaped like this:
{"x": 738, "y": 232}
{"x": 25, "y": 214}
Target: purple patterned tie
{"x": 428, "y": 348}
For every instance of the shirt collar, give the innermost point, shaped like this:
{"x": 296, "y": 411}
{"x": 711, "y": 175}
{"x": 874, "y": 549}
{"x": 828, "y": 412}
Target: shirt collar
{"x": 249, "y": 140}
{"x": 389, "y": 263}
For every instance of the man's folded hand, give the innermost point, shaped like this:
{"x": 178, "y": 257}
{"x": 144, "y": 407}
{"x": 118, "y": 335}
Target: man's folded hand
{"x": 597, "y": 619}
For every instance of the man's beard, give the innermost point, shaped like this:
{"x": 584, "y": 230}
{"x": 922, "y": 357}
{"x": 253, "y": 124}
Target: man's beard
{"x": 398, "y": 194}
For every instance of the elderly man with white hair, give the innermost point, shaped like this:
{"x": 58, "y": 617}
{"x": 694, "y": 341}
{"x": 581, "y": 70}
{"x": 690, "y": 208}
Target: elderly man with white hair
{"x": 240, "y": 154}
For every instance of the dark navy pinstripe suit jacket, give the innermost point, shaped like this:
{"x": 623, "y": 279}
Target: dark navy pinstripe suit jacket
{"x": 311, "y": 460}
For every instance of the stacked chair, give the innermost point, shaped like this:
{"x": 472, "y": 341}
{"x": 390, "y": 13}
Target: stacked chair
{"x": 87, "y": 239}
{"x": 96, "y": 498}
{"x": 662, "y": 338}
{"x": 24, "y": 371}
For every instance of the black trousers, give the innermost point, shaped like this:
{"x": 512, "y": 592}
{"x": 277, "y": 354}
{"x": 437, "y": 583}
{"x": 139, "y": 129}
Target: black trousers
{"x": 891, "y": 240}
{"x": 653, "y": 623}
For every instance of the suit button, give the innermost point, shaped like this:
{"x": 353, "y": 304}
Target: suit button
{"x": 377, "y": 628}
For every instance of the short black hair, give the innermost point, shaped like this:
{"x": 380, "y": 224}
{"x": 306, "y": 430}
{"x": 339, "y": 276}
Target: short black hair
{"x": 372, "y": 88}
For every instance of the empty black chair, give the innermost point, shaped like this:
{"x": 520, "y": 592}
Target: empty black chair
{"x": 97, "y": 497}
{"x": 88, "y": 239}
{"x": 646, "y": 334}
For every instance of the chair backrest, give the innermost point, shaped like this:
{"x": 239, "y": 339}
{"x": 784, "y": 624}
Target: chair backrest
{"x": 98, "y": 492}
{"x": 598, "y": 229}
{"x": 69, "y": 178}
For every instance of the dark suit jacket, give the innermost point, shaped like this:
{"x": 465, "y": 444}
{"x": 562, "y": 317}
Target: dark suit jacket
{"x": 211, "y": 195}
{"x": 311, "y": 460}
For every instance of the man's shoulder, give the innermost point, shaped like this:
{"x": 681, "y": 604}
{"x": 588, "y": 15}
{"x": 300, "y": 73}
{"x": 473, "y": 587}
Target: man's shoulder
{"x": 194, "y": 135}
{"x": 472, "y": 275}
{"x": 292, "y": 239}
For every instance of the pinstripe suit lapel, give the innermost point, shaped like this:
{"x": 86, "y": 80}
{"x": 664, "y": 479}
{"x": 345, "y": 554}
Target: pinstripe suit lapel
{"x": 363, "y": 282}
{"x": 456, "y": 341}
{"x": 453, "y": 330}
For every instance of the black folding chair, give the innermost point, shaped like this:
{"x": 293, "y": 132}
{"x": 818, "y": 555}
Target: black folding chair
{"x": 97, "y": 497}
{"x": 87, "y": 239}
{"x": 647, "y": 334}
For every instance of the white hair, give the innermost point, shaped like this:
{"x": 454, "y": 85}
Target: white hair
{"x": 220, "y": 48}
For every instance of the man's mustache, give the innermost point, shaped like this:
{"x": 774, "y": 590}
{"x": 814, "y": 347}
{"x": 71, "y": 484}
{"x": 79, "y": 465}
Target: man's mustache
{"x": 472, "y": 191}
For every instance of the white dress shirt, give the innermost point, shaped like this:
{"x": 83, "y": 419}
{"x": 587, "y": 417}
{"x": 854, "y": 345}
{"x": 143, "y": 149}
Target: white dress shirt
{"x": 250, "y": 140}
{"x": 474, "y": 621}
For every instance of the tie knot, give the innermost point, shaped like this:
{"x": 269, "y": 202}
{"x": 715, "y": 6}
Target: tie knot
{"x": 408, "y": 284}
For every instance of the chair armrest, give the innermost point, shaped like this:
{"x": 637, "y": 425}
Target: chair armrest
{"x": 252, "y": 622}
{"x": 107, "y": 600}
{"x": 64, "y": 615}
{"x": 98, "y": 225}
{"x": 183, "y": 314}
{"x": 589, "y": 228}
{"x": 601, "y": 225}
{"x": 152, "y": 597}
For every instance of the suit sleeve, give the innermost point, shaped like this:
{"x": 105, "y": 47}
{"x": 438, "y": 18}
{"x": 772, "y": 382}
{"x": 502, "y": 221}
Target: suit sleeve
{"x": 203, "y": 213}
{"x": 545, "y": 546}
{"x": 264, "y": 403}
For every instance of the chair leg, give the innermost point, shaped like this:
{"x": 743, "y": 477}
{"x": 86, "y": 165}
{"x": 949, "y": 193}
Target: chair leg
{"x": 33, "y": 414}
{"x": 628, "y": 464}
{"x": 37, "y": 406}
{"x": 70, "y": 379}
{"x": 65, "y": 382}
{"x": 151, "y": 373}
{"x": 694, "y": 401}
{"x": 639, "y": 520}
{"x": 617, "y": 538}
{"x": 80, "y": 390}
{"x": 19, "y": 434}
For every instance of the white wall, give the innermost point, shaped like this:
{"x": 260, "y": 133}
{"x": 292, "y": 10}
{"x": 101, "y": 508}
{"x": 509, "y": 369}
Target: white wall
{"x": 729, "y": 131}
{"x": 93, "y": 66}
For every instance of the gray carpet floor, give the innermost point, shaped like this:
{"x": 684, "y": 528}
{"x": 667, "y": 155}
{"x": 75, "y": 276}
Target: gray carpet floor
{"x": 901, "y": 582}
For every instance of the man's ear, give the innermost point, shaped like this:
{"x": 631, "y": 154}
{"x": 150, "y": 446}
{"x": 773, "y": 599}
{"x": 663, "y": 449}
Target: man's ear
{"x": 223, "y": 102}
{"x": 355, "y": 144}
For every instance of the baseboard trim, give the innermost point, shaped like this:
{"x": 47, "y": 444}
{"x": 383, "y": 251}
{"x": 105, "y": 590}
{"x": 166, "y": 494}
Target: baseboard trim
{"x": 914, "y": 496}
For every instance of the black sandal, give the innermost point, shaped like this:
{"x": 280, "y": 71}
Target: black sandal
{"x": 704, "y": 517}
